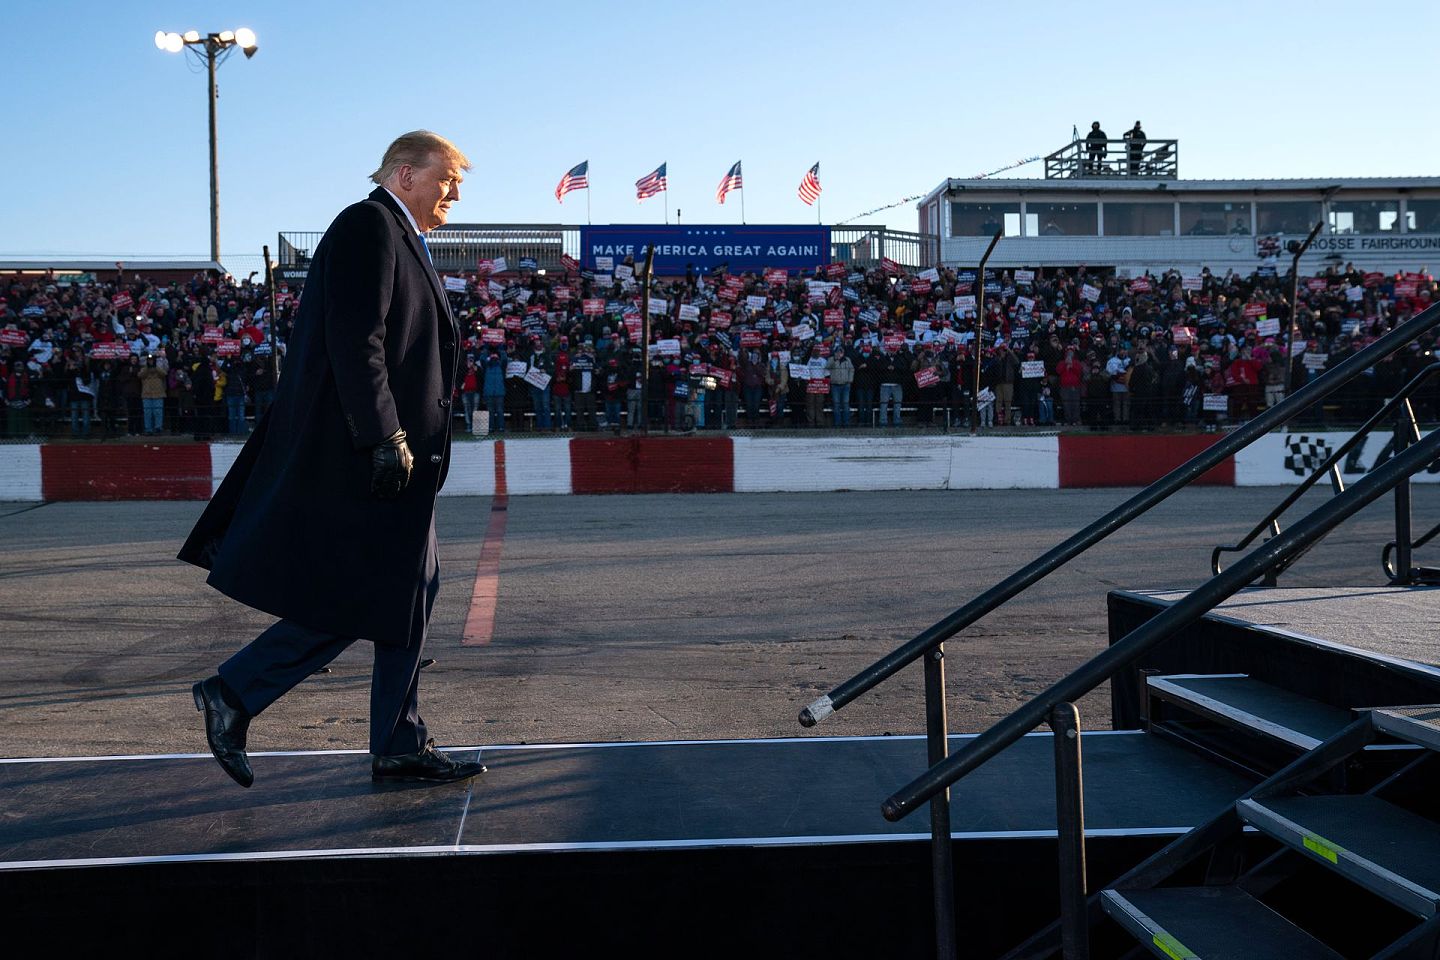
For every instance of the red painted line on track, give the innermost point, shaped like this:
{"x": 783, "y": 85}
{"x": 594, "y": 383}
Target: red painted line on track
{"x": 480, "y": 621}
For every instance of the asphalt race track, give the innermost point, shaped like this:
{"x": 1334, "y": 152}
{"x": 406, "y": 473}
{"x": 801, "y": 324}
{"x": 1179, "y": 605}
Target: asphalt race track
{"x": 619, "y": 617}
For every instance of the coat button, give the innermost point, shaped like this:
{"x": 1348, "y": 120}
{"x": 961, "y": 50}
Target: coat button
{"x": 435, "y": 458}
{"x": 445, "y": 404}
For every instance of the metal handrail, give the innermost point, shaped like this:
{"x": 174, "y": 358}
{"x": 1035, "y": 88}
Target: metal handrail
{"x": 1386, "y": 562}
{"x": 1314, "y": 391}
{"x": 1303, "y": 535}
{"x": 1331, "y": 465}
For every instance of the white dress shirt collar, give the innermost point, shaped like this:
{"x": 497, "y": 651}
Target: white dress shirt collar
{"x": 405, "y": 210}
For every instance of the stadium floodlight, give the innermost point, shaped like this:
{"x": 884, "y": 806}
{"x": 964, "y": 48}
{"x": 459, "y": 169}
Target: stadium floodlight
{"x": 216, "y": 47}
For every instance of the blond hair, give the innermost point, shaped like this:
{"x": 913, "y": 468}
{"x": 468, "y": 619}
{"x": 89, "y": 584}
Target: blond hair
{"x": 417, "y": 148}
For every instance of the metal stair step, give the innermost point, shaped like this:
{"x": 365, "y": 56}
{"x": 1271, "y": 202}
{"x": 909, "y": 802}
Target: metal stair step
{"x": 1419, "y": 724}
{"x": 1245, "y": 703}
{"x": 1213, "y": 923}
{"x": 1388, "y": 851}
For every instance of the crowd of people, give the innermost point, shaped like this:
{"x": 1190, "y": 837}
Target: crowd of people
{"x": 89, "y": 359}
{"x": 839, "y": 346}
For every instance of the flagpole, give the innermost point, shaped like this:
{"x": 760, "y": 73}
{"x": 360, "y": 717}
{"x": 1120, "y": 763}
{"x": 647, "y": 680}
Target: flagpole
{"x": 742, "y": 205}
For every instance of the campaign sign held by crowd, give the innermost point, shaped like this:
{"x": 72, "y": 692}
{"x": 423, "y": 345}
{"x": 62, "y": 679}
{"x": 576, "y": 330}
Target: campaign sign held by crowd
{"x": 739, "y": 248}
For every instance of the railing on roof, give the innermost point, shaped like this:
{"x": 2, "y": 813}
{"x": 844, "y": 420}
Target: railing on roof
{"x": 1144, "y": 159}
{"x": 458, "y": 247}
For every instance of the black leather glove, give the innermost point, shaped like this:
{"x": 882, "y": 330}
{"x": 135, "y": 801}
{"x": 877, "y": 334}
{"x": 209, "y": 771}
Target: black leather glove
{"x": 390, "y": 465}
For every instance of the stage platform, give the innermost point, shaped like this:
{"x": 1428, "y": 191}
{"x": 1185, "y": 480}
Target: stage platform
{"x": 90, "y": 812}
{"x": 733, "y": 848}
{"x": 1396, "y": 623}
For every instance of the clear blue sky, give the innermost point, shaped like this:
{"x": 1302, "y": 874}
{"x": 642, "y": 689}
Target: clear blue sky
{"x": 109, "y": 155}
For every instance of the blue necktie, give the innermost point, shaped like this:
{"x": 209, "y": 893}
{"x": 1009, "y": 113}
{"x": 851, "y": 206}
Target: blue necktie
{"x": 426, "y": 247}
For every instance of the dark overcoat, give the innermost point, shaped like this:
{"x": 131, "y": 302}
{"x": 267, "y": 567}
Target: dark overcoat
{"x": 293, "y": 529}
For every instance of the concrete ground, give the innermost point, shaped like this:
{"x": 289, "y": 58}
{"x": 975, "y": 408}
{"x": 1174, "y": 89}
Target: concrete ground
{"x": 621, "y": 617}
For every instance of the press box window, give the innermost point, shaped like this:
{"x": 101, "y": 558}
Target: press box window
{"x": 984, "y": 219}
{"x": 1422, "y": 216}
{"x": 1214, "y": 219}
{"x": 1364, "y": 216}
{"x": 1061, "y": 220}
{"x": 1287, "y": 216}
{"x": 1139, "y": 219}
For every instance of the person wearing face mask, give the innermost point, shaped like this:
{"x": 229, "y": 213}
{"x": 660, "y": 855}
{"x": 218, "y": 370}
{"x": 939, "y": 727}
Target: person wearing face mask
{"x": 613, "y": 380}
{"x": 865, "y": 384}
{"x": 752, "y": 385}
{"x": 777, "y": 382}
{"x": 470, "y": 392}
{"x": 564, "y": 403}
{"x": 841, "y": 371}
{"x": 539, "y": 361}
{"x": 492, "y": 386}
{"x": 583, "y": 371}
{"x": 152, "y": 396}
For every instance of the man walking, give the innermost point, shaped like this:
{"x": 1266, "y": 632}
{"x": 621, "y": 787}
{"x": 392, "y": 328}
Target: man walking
{"x": 327, "y": 518}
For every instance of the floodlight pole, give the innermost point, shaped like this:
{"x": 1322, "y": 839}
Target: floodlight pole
{"x": 211, "y": 47}
{"x": 980, "y": 329}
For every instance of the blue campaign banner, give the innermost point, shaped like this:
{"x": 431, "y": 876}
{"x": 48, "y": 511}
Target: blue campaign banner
{"x": 742, "y": 248}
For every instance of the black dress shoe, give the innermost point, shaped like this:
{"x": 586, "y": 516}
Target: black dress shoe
{"x": 427, "y": 766}
{"x": 225, "y": 729}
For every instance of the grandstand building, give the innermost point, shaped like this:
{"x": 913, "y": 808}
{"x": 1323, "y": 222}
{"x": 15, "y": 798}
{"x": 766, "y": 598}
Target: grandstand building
{"x": 1131, "y": 211}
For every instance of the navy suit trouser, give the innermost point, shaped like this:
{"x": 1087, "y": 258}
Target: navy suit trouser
{"x": 288, "y": 652}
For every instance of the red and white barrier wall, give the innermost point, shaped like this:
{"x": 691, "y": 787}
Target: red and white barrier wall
{"x": 719, "y": 464}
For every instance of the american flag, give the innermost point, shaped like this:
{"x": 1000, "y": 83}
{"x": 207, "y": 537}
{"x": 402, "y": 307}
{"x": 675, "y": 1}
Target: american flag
{"x": 732, "y": 181}
{"x": 810, "y": 186}
{"x": 651, "y": 184}
{"x": 576, "y": 178}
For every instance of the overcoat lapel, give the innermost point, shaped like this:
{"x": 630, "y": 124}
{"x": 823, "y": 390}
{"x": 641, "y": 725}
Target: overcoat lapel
{"x": 413, "y": 242}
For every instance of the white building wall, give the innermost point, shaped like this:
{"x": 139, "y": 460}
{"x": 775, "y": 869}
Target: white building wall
{"x": 1218, "y": 253}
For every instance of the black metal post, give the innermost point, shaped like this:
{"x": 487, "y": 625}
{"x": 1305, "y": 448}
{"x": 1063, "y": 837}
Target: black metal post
{"x": 1299, "y": 538}
{"x": 942, "y": 866}
{"x": 270, "y": 326}
{"x": 1295, "y": 303}
{"x": 1404, "y": 427}
{"x": 1070, "y": 832}
{"x": 649, "y": 271}
{"x": 980, "y": 329}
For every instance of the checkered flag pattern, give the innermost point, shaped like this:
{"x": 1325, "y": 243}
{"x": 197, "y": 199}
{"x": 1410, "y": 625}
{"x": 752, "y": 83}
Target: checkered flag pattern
{"x": 1306, "y": 455}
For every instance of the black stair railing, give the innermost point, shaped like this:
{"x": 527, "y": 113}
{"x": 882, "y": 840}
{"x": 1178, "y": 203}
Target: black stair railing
{"x": 1042, "y": 566}
{"x": 1282, "y": 549}
{"x": 930, "y": 642}
{"x": 1399, "y": 406}
{"x": 1182, "y": 613}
